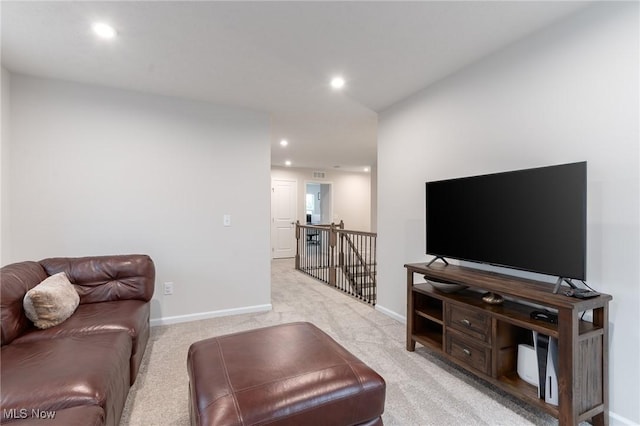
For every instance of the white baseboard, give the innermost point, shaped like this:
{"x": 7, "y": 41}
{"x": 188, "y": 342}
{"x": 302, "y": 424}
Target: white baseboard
{"x": 212, "y": 314}
{"x": 392, "y": 314}
{"x": 616, "y": 420}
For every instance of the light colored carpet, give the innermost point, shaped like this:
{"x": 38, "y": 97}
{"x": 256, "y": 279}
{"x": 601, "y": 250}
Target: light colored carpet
{"x": 422, "y": 389}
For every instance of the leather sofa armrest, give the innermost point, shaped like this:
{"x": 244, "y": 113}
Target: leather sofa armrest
{"x": 107, "y": 278}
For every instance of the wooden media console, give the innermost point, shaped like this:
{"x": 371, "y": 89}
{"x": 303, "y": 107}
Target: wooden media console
{"x": 483, "y": 338}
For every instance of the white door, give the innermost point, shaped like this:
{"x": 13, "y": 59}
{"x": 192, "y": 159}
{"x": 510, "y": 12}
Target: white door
{"x": 283, "y": 217}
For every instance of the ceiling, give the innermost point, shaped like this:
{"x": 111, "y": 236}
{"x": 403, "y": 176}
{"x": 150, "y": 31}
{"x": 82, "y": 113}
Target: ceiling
{"x": 276, "y": 57}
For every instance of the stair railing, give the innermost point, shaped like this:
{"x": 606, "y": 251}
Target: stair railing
{"x": 343, "y": 259}
{"x": 357, "y": 258}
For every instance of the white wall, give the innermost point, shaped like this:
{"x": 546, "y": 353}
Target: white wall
{"x": 351, "y": 194}
{"x": 5, "y": 95}
{"x": 101, "y": 171}
{"x": 374, "y": 199}
{"x": 569, "y": 93}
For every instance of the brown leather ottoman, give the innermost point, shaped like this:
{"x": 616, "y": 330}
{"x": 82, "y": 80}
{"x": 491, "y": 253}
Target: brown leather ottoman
{"x": 289, "y": 374}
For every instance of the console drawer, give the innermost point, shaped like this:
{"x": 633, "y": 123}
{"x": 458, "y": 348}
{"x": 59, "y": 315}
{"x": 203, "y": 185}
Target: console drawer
{"x": 474, "y": 323}
{"x": 470, "y": 352}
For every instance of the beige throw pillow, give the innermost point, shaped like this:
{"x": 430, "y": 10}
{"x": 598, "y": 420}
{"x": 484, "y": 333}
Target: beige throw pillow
{"x": 51, "y": 302}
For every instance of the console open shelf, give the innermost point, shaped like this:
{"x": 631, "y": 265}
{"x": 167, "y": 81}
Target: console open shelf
{"x": 484, "y": 338}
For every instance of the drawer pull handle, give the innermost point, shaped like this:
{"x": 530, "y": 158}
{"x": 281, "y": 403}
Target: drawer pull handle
{"x": 467, "y": 352}
{"x": 466, "y": 322}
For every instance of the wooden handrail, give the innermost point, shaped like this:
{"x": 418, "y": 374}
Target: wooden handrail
{"x": 365, "y": 233}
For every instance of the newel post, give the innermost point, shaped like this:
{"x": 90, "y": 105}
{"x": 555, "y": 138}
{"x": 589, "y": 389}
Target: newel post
{"x": 333, "y": 239}
{"x": 297, "y": 244}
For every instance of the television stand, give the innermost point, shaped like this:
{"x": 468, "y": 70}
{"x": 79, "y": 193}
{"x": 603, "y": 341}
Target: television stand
{"x": 436, "y": 258}
{"x": 483, "y": 339}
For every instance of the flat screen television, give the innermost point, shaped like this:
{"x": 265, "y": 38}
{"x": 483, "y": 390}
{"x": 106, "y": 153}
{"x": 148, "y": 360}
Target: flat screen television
{"x": 532, "y": 220}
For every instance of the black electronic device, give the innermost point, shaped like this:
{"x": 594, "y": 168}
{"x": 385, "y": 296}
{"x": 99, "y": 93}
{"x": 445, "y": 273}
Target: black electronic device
{"x": 542, "y": 348}
{"x": 549, "y": 317}
{"x": 581, "y": 293}
{"x": 532, "y": 219}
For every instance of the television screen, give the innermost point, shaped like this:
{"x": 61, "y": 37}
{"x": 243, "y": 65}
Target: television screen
{"x": 533, "y": 220}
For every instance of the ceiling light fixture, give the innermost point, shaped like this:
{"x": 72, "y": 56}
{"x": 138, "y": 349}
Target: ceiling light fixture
{"x": 366, "y": 169}
{"x": 337, "y": 82}
{"x": 284, "y": 142}
{"x": 287, "y": 163}
{"x": 104, "y": 30}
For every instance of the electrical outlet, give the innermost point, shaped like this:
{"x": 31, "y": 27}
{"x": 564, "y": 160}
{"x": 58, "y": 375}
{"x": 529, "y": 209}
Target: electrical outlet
{"x": 168, "y": 289}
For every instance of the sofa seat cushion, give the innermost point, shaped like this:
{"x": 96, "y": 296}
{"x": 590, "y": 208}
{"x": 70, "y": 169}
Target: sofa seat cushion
{"x": 55, "y": 374}
{"x": 131, "y": 316}
{"x": 82, "y": 415}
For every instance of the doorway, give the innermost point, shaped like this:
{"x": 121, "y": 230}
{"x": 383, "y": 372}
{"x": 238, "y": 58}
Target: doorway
{"x": 318, "y": 203}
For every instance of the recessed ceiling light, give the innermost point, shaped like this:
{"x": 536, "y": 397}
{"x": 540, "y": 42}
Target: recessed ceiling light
{"x": 104, "y": 30}
{"x": 284, "y": 142}
{"x": 366, "y": 169}
{"x": 287, "y": 163}
{"x": 337, "y": 82}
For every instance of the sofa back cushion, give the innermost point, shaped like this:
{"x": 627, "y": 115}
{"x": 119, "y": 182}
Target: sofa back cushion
{"x": 15, "y": 280}
{"x": 107, "y": 278}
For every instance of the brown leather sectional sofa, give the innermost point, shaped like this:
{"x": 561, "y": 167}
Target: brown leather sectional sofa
{"x": 78, "y": 372}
